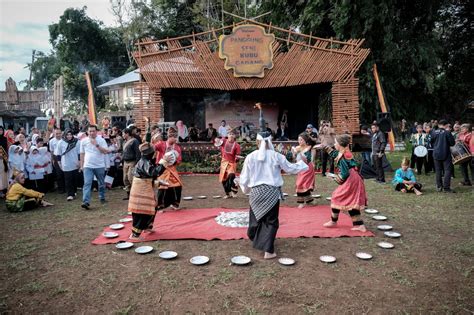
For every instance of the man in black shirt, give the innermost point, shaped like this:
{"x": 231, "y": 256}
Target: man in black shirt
{"x": 130, "y": 156}
{"x": 442, "y": 140}
{"x": 378, "y": 151}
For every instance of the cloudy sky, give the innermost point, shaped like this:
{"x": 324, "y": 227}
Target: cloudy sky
{"x": 24, "y": 27}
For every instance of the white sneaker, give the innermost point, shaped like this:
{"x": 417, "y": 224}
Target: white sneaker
{"x": 70, "y": 198}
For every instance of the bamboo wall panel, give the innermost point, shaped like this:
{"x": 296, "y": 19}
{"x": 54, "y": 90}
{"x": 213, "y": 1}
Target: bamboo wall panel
{"x": 345, "y": 106}
{"x": 147, "y": 103}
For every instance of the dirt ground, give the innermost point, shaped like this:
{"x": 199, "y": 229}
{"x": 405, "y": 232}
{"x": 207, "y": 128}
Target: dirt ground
{"x": 48, "y": 264}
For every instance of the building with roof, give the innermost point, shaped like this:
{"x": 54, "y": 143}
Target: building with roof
{"x": 121, "y": 89}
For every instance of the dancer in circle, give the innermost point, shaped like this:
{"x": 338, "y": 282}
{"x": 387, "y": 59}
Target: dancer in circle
{"x": 304, "y": 180}
{"x": 142, "y": 203}
{"x": 230, "y": 151}
{"x": 350, "y": 195}
{"x": 261, "y": 177}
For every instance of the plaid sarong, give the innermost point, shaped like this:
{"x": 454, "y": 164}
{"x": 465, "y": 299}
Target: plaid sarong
{"x": 262, "y": 199}
{"x": 142, "y": 197}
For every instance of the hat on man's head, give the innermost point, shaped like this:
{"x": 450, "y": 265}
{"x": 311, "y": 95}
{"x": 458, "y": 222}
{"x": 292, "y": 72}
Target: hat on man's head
{"x": 172, "y": 132}
{"x": 309, "y": 126}
{"x": 146, "y": 149}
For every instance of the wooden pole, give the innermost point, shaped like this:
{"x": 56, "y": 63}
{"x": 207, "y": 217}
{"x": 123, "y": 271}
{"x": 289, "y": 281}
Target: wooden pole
{"x": 383, "y": 106}
{"x": 90, "y": 100}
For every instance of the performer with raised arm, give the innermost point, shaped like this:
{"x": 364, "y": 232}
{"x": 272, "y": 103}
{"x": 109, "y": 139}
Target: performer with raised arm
{"x": 230, "y": 151}
{"x": 261, "y": 177}
{"x": 350, "y": 195}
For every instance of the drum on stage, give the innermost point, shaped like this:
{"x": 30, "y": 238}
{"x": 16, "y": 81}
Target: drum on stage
{"x": 460, "y": 153}
{"x": 421, "y": 151}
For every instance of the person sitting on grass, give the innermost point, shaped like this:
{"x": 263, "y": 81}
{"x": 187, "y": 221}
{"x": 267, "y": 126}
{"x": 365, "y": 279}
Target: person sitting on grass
{"x": 20, "y": 199}
{"x": 404, "y": 179}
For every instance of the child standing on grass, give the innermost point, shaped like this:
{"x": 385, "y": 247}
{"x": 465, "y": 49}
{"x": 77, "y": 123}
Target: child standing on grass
{"x": 404, "y": 179}
{"x": 350, "y": 195}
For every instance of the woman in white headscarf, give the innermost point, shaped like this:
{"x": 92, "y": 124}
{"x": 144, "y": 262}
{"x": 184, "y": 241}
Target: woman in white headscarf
{"x": 36, "y": 169}
{"x": 183, "y": 134}
{"x": 261, "y": 177}
{"x": 16, "y": 160}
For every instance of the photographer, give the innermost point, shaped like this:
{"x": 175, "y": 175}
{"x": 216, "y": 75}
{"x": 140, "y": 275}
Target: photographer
{"x": 326, "y": 137}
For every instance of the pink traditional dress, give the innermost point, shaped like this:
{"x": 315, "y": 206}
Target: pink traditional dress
{"x": 305, "y": 180}
{"x": 350, "y": 194}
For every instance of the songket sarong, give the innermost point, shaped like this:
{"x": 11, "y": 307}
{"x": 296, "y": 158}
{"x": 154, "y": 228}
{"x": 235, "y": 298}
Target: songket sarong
{"x": 170, "y": 194}
{"x": 351, "y": 194}
{"x": 305, "y": 185}
{"x": 142, "y": 204}
{"x": 22, "y": 204}
{"x": 263, "y": 216}
{"x": 227, "y": 176}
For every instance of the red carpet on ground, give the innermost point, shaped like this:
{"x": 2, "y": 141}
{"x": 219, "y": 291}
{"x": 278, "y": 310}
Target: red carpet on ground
{"x": 200, "y": 224}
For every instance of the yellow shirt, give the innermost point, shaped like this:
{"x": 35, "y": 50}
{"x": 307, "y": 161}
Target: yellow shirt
{"x": 16, "y": 191}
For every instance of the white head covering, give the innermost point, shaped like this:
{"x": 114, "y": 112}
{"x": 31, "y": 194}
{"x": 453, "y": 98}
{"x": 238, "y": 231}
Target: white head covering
{"x": 34, "y": 137}
{"x": 262, "y": 149}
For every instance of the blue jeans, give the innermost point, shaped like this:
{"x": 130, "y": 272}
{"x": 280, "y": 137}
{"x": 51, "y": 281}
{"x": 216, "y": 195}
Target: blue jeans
{"x": 88, "y": 178}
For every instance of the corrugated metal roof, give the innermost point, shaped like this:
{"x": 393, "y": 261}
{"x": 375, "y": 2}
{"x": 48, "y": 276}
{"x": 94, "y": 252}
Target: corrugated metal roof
{"x": 132, "y": 76}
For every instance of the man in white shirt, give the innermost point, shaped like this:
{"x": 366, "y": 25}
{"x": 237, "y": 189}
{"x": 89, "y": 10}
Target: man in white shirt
{"x": 93, "y": 152}
{"x": 261, "y": 177}
{"x": 223, "y": 129}
{"x": 58, "y": 173}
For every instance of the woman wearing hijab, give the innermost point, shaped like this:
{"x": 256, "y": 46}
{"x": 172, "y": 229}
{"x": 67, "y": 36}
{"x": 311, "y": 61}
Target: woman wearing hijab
{"x": 20, "y": 199}
{"x": 3, "y": 163}
{"x": 68, "y": 150}
{"x": 183, "y": 134}
{"x": 16, "y": 160}
{"x": 35, "y": 167}
{"x": 20, "y": 140}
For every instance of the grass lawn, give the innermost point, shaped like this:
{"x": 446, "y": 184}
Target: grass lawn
{"x": 48, "y": 264}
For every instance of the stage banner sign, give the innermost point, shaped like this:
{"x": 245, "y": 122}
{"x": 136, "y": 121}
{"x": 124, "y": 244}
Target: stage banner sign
{"x": 248, "y": 50}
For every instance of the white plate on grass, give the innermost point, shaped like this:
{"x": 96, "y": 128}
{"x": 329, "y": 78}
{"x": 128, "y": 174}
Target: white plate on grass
{"x": 379, "y": 217}
{"x": 199, "y": 260}
{"x": 364, "y": 256}
{"x": 385, "y": 245}
{"x": 286, "y": 261}
{"x": 240, "y": 260}
{"x": 124, "y": 220}
{"x": 285, "y": 195}
{"x": 168, "y": 254}
{"x": 327, "y": 259}
{"x": 216, "y": 197}
{"x": 392, "y": 234}
{"x": 328, "y": 198}
{"x": 116, "y": 226}
{"x": 201, "y": 197}
{"x": 371, "y": 211}
{"x": 143, "y": 250}
{"x": 316, "y": 196}
{"x": 110, "y": 234}
{"x": 384, "y": 227}
{"x": 295, "y": 195}
{"x": 187, "y": 198}
{"x": 124, "y": 245}
{"x": 331, "y": 175}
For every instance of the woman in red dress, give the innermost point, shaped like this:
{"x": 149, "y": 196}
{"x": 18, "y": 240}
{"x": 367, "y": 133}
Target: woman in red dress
{"x": 350, "y": 195}
{"x": 304, "y": 180}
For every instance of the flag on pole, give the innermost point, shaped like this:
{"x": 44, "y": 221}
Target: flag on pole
{"x": 91, "y": 101}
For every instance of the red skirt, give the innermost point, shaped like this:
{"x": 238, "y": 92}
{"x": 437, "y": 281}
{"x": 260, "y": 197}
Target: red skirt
{"x": 305, "y": 180}
{"x": 351, "y": 194}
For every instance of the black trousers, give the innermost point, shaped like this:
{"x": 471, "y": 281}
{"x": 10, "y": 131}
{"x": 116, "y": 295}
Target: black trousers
{"x": 229, "y": 184}
{"x": 380, "y": 174}
{"x": 169, "y": 197}
{"x": 401, "y": 186}
{"x": 429, "y": 166}
{"x": 59, "y": 177}
{"x": 263, "y": 233}
{"x": 325, "y": 158}
{"x": 141, "y": 222}
{"x": 443, "y": 173}
{"x": 464, "y": 171}
{"x": 70, "y": 179}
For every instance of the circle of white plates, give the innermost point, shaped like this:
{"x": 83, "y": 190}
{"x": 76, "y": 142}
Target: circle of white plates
{"x": 392, "y": 234}
{"x": 188, "y": 198}
{"x": 110, "y": 234}
{"x": 363, "y": 256}
{"x": 379, "y": 217}
{"x": 385, "y": 245}
{"x": 116, "y": 226}
{"x": 384, "y": 227}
